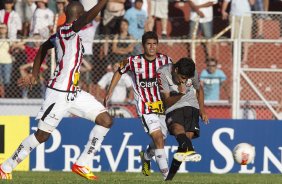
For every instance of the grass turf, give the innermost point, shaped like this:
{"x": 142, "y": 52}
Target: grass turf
{"x": 138, "y": 178}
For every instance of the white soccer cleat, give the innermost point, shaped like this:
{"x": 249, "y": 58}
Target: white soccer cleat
{"x": 189, "y": 156}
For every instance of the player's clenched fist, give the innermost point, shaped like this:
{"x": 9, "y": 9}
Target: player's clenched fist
{"x": 182, "y": 88}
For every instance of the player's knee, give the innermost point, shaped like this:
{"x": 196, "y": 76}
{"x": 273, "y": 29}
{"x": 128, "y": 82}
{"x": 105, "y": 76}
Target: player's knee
{"x": 181, "y": 139}
{"x": 176, "y": 129}
{"x": 42, "y": 136}
{"x": 105, "y": 120}
{"x": 158, "y": 139}
{"x": 108, "y": 122}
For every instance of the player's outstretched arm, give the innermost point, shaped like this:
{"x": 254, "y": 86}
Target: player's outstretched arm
{"x": 30, "y": 80}
{"x": 39, "y": 58}
{"x": 200, "y": 97}
{"x": 88, "y": 16}
{"x": 113, "y": 84}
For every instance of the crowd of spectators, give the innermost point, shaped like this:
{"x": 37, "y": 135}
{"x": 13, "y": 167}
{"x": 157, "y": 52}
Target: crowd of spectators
{"x": 120, "y": 20}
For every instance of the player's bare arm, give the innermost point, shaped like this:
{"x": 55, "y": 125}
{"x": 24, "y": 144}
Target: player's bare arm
{"x": 87, "y": 17}
{"x": 39, "y": 58}
{"x": 169, "y": 99}
{"x": 30, "y": 80}
{"x": 114, "y": 81}
{"x": 113, "y": 84}
{"x": 200, "y": 97}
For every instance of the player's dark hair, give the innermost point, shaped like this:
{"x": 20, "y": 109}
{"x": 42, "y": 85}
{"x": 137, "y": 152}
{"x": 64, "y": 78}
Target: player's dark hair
{"x": 149, "y": 35}
{"x": 186, "y": 66}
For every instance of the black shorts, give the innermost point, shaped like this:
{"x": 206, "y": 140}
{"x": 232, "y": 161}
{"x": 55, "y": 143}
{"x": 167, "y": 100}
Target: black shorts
{"x": 188, "y": 117}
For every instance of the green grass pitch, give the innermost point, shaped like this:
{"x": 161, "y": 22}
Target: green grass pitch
{"x": 138, "y": 178}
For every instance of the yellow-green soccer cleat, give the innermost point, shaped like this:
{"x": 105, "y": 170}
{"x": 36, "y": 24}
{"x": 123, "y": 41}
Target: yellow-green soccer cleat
{"x": 83, "y": 171}
{"x": 146, "y": 165}
{"x": 189, "y": 156}
{"x": 5, "y": 176}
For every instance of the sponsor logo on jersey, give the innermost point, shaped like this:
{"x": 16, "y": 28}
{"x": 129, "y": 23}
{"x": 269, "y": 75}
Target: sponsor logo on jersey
{"x": 189, "y": 83}
{"x": 148, "y": 83}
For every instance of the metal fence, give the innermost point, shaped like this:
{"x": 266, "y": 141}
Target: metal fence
{"x": 258, "y": 85}
{"x": 253, "y": 87}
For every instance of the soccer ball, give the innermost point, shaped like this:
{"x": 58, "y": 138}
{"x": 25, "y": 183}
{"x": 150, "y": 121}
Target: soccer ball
{"x": 244, "y": 153}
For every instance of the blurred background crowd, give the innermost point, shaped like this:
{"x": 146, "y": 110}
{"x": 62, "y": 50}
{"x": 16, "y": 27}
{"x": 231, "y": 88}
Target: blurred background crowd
{"x": 24, "y": 24}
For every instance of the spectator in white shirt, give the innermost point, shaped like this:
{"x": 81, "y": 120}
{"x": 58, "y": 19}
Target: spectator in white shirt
{"x": 87, "y": 34}
{"x": 120, "y": 90}
{"x": 205, "y": 21}
{"x": 25, "y": 8}
{"x": 42, "y": 20}
{"x": 11, "y": 18}
{"x": 202, "y": 11}
{"x": 240, "y": 10}
{"x": 5, "y": 61}
{"x": 113, "y": 14}
{"x": 158, "y": 9}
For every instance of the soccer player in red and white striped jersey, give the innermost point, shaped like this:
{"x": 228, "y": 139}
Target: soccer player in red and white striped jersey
{"x": 63, "y": 95}
{"x": 145, "y": 81}
{"x": 143, "y": 71}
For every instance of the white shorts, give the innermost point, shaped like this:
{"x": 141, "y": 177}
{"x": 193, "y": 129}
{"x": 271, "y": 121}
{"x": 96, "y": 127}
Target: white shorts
{"x": 58, "y": 104}
{"x": 153, "y": 122}
{"x": 159, "y": 8}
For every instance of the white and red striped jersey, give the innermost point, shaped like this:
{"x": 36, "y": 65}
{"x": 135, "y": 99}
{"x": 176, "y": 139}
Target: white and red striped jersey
{"x": 144, "y": 76}
{"x": 69, "y": 53}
